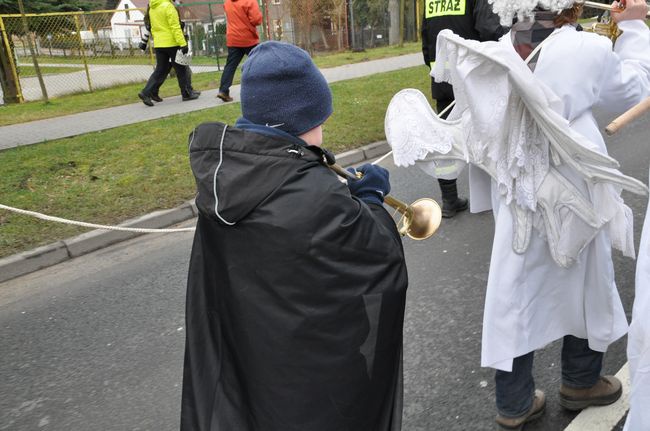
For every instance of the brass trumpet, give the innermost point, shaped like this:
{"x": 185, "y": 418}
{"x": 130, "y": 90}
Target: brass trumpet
{"x": 606, "y": 28}
{"x": 419, "y": 220}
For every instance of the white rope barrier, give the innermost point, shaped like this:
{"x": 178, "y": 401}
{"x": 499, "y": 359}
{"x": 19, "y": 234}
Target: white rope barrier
{"x": 381, "y": 159}
{"x": 92, "y": 225}
{"x": 117, "y": 228}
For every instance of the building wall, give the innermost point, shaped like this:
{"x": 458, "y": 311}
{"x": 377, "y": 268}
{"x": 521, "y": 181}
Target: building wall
{"x": 128, "y": 24}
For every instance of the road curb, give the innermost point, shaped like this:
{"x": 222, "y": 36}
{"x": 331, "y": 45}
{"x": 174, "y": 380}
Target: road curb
{"x": 60, "y": 251}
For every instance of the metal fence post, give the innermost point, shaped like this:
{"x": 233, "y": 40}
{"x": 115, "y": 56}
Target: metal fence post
{"x": 265, "y": 17}
{"x": 12, "y": 73}
{"x": 31, "y": 50}
{"x": 82, "y": 51}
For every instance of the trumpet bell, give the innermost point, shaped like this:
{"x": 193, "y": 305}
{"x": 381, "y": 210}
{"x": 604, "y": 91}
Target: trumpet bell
{"x": 421, "y": 220}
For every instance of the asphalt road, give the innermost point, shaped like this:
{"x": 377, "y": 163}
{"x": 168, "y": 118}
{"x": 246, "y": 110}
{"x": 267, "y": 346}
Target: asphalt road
{"x": 97, "y": 343}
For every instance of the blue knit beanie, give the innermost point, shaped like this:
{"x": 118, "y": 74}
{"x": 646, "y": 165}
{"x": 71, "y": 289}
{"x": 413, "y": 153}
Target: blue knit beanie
{"x": 282, "y": 87}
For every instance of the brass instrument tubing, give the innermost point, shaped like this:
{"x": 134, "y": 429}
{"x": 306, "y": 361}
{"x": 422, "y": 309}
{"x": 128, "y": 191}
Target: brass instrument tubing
{"x": 604, "y": 6}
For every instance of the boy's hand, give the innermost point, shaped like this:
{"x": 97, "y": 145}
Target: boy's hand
{"x": 372, "y": 186}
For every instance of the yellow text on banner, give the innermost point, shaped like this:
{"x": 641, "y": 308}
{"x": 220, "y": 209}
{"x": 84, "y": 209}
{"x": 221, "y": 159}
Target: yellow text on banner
{"x": 434, "y": 8}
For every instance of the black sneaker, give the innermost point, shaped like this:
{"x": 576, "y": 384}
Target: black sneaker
{"x": 145, "y": 99}
{"x": 193, "y": 95}
{"x": 156, "y": 98}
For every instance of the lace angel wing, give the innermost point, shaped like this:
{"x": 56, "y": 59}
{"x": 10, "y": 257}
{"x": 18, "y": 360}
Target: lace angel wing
{"x": 529, "y": 132}
{"x": 524, "y": 140}
{"x": 413, "y": 130}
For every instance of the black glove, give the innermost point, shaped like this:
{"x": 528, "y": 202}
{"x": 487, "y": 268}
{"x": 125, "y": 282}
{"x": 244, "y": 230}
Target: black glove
{"x": 184, "y": 49}
{"x": 373, "y": 186}
{"x": 143, "y": 46}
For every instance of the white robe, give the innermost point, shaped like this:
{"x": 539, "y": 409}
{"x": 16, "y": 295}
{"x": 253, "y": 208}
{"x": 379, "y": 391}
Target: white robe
{"x": 638, "y": 339}
{"x": 531, "y": 301}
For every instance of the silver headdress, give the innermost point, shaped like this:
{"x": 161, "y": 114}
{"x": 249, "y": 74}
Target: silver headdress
{"x": 508, "y": 9}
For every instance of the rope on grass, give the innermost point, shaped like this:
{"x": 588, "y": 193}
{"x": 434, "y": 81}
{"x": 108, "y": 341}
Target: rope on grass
{"x": 117, "y": 228}
{"x": 92, "y": 225}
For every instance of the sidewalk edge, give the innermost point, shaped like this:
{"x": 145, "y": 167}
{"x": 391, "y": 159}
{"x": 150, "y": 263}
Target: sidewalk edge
{"x": 60, "y": 251}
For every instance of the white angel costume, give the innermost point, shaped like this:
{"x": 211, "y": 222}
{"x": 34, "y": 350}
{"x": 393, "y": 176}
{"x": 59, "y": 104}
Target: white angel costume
{"x": 555, "y": 192}
{"x": 638, "y": 344}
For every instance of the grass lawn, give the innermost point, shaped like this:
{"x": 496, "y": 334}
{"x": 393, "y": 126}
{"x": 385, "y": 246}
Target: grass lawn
{"x": 110, "y": 176}
{"x": 138, "y": 58}
{"x": 27, "y": 71}
{"x": 125, "y": 94}
{"x": 104, "y": 98}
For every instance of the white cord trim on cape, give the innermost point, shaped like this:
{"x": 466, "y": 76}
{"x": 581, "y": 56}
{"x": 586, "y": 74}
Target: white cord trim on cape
{"x": 214, "y": 180}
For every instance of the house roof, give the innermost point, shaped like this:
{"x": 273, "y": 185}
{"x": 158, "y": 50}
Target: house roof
{"x": 140, "y": 3}
{"x": 201, "y": 12}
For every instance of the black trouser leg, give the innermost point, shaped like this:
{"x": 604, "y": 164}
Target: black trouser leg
{"x": 156, "y": 88}
{"x": 235, "y": 56}
{"x": 442, "y": 104}
{"x": 183, "y": 79}
{"x": 163, "y": 58}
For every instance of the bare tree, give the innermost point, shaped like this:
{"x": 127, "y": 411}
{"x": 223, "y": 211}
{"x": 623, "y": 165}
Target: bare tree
{"x": 394, "y": 30}
{"x": 302, "y": 12}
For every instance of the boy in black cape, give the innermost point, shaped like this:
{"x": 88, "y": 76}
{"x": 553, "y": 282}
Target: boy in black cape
{"x": 297, "y": 282}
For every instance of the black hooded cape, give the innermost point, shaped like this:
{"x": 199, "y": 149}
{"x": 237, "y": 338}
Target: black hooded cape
{"x": 295, "y": 297}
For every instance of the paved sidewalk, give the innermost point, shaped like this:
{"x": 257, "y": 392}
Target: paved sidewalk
{"x": 77, "y": 124}
{"x": 102, "y": 76}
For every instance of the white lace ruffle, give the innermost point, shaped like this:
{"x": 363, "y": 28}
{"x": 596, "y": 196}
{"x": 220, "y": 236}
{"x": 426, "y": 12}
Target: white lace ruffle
{"x": 496, "y": 122}
{"x": 508, "y": 9}
{"x": 409, "y": 138}
{"x": 509, "y": 124}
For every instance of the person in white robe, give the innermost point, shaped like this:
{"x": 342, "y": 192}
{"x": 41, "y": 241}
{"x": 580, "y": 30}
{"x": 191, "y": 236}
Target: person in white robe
{"x": 530, "y": 300}
{"x": 638, "y": 339}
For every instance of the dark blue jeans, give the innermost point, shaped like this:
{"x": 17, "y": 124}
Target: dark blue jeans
{"x": 235, "y": 56}
{"x": 581, "y": 368}
{"x": 164, "y": 62}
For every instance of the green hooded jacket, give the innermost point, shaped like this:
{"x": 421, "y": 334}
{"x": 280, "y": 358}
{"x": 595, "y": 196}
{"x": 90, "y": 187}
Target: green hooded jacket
{"x": 165, "y": 24}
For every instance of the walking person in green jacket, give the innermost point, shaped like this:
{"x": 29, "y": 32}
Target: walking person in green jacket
{"x": 168, "y": 38}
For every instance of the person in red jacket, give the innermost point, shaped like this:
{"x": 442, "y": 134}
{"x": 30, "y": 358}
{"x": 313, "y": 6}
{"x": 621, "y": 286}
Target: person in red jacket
{"x": 242, "y": 19}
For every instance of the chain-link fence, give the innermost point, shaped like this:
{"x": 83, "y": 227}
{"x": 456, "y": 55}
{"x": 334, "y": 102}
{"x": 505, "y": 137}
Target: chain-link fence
{"x": 50, "y": 55}
{"x": 84, "y": 51}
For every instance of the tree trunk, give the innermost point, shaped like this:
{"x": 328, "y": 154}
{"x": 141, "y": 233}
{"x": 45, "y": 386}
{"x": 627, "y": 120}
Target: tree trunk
{"x": 324, "y": 37}
{"x": 10, "y": 88}
{"x": 393, "y": 32}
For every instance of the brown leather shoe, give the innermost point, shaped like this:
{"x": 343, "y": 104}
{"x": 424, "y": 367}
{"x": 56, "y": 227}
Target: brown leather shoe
{"x": 225, "y": 97}
{"x": 536, "y": 410}
{"x": 606, "y": 391}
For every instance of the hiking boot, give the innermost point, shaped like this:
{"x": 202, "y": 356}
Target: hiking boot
{"x": 225, "y": 97}
{"x": 145, "y": 99}
{"x": 156, "y": 98}
{"x": 536, "y": 410}
{"x": 192, "y": 96}
{"x": 606, "y": 391}
{"x": 451, "y": 203}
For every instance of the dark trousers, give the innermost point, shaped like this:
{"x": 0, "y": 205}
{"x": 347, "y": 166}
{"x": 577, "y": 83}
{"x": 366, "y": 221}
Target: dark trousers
{"x": 581, "y": 368}
{"x": 235, "y": 56}
{"x": 442, "y": 104}
{"x": 443, "y": 94}
{"x": 164, "y": 62}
